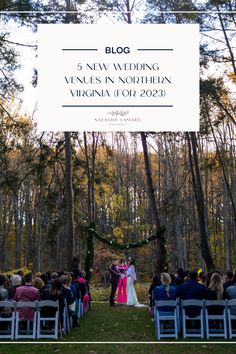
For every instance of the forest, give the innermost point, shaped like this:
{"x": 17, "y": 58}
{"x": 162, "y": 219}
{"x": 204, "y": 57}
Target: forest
{"x": 67, "y": 199}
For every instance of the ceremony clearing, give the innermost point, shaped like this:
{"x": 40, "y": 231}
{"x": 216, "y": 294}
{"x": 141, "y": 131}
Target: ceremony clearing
{"x": 136, "y": 222}
{"x": 116, "y": 324}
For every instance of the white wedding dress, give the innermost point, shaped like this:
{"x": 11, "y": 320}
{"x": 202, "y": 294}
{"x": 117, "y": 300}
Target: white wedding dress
{"x": 132, "y": 299}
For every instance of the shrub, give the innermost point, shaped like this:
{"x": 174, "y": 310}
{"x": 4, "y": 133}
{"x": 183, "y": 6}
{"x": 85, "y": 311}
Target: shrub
{"x": 103, "y": 294}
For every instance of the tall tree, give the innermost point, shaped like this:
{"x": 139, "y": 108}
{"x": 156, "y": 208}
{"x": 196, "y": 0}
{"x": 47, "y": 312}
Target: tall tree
{"x": 160, "y": 251}
{"x": 69, "y": 202}
{"x": 199, "y": 198}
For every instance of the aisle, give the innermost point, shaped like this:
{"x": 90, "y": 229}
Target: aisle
{"x": 121, "y": 323}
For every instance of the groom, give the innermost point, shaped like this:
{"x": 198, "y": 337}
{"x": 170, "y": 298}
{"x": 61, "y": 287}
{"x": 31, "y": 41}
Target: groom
{"x": 115, "y": 276}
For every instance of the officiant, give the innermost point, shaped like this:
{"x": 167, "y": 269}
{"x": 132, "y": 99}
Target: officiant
{"x": 114, "y": 279}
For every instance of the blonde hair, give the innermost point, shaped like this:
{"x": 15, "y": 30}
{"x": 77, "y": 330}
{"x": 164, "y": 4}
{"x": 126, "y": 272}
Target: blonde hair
{"x": 37, "y": 275}
{"x": 166, "y": 280}
{"x": 38, "y": 283}
{"x": 216, "y": 285}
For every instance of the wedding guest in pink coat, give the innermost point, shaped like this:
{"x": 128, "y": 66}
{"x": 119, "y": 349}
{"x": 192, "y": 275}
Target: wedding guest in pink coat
{"x": 27, "y": 293}
{"x": 122, "y": 285}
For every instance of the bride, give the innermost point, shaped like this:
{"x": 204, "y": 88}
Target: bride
{"x": 131, "y": 278}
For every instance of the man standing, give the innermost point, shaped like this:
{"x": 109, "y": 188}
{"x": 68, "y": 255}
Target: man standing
{"x": 115, "y": 276}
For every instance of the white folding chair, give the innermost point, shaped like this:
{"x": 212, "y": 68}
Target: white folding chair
{"x": 165, "y": 313}
{"x": 66, "y": 319}
{"x": 80, "y": 306}
{"x": 7, "y": 319}
{"x": 231, "y": 311}
{"x": 216, "y": 324}
{"x": 48, "y": 326}
{"x": 26, "y": 332}
{"x": 197, "y": 306}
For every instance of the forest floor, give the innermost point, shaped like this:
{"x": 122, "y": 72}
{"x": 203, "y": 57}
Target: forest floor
{"x": 116, "y": 324}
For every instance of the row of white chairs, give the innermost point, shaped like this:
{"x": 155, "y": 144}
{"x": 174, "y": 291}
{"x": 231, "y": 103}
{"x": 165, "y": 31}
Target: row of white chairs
{"x": 210, "y": 318}
{"x": 11, "y": 325}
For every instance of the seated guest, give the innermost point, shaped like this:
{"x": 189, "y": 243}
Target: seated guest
{"x": 74, "y": 287}
{"x": 231, "y": 293}
{"x": 66, "y": 291}
{"x": 67, "y": 294}
{"x": 215, "y": 291}
{"x": 53, "y": 276}
{"x": 27, "y": 293}
{"x": 3, "y": 291}
{"x": 227, "y": 282}
{"x": 201, "y": 276}
{"x": 38, "y": 284}
{"x": 204, "y": 279}
{"x": 37, "y": 275}
{"x": 180, "y": 277}
{"x": 54, "y": 294}
{"x": 44, "y": 278}
{"x": 208, "y": 279}
{"x": 4, "y": 311}
{"x": 16, "y": 282}
{"x": 155, "y": 282}
{"x": 83, "y": 285}
{"x": 192, "y": 290}
{"x": 165, "y": 291}
{"x": 84, "y": 291}
{"x": 76, "y": 295}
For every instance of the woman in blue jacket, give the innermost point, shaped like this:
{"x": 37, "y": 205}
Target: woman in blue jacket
{"x": 165, "y": 291}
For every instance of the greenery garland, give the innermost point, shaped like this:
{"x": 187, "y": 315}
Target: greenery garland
{"x": 158, "y": 234}
{"x": 91, "y": 233}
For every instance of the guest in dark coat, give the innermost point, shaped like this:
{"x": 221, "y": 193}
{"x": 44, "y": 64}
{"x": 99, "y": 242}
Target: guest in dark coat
{"x": 3, "y": 291}
{"x": 165, "y": 291}
{"x": 16, "y": 282}
{"x": 231, "y": 293}
{"x": 192, "y": 290}
{"x": 227, "y": 282}
{"x": 180, "y": 278}
{"x": 44, "y": 278}
{"x": 54, "y": 294}
{"x": 155, "y": 282}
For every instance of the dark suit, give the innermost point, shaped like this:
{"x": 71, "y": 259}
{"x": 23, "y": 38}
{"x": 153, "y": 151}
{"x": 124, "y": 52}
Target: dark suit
{"x": 192, "y": 290}
{"x": 115, "y": 276}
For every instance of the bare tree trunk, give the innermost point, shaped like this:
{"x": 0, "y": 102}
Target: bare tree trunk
{"x": 6, "y": 221}
{"x": 231, "y": 53}
{"x": 88, "y": 178}
{"x": 226, "y": 230}
{"x": 197, "y": 186}
{"x": 69, "y": 203}
{"x": 151, "y": 194}
{"x": 28, "y": 224}
{"x": 224, "y": 172}
{"x": 38, "y": 241}
{"x": 90, "y": 200}
{"x": 17, "y": 220}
